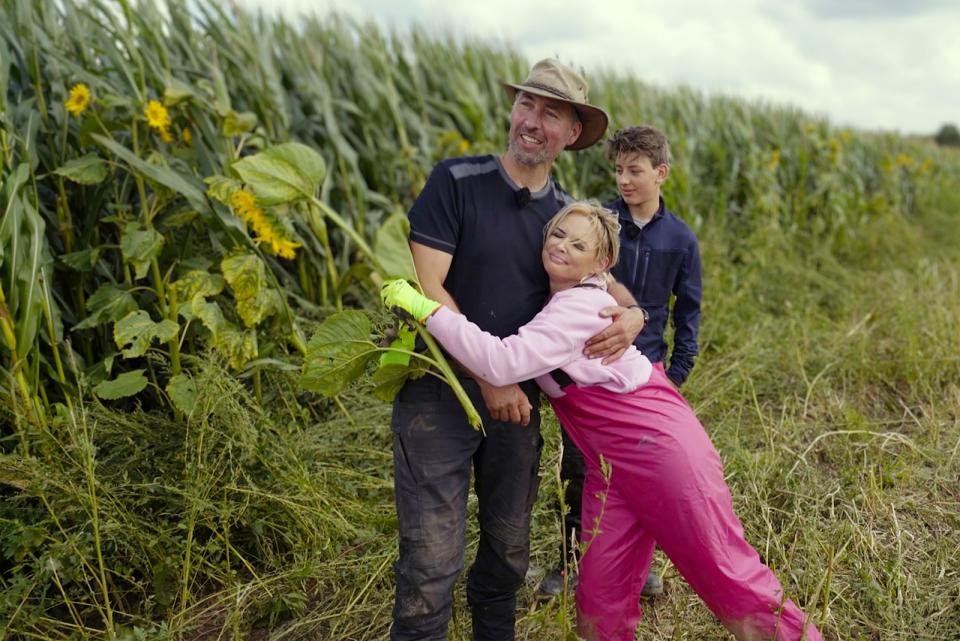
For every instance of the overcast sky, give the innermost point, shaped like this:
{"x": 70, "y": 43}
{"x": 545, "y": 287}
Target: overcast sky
{"x": 875, "y": 64}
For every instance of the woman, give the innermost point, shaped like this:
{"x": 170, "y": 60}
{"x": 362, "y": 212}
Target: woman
{"x": 665, "y": 479}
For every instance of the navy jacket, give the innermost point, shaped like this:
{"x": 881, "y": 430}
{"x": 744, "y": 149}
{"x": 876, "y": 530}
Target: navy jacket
{"x": 661, "y": 259}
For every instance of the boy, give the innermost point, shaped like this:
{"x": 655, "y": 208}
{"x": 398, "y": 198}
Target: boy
{"x": 659, "y": 257}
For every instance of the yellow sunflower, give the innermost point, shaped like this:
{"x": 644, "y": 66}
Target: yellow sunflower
{"x": 79, "y": 99}
{"x": 157, "y": 116}
{"x": 266, "y": 229}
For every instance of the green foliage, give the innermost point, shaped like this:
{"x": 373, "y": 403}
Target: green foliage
{"x": 282, "y": 174}
{"x": 392, "y": 249}
{"x": 338, "y": 353}
{"x": 948, "y": 136}
{"x": 126, "y": 384}
{"x": 88, "y": 169}
{"x": 134, "y": 332}
{"x": 210, "y": 494}
{"x": 247, "y": 276}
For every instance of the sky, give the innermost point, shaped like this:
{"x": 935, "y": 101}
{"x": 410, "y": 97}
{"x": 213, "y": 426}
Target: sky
{"x": 870, "y": 64}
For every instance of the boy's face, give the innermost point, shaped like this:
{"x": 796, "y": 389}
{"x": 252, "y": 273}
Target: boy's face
{"x": 638, "y": 181}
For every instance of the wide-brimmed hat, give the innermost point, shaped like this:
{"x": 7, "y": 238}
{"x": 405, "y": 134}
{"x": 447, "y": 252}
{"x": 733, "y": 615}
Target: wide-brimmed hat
{"x": 552, "y": 79}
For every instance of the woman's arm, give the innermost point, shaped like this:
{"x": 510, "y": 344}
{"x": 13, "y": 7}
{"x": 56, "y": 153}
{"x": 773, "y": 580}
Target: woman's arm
{"x": 552, "y": 339}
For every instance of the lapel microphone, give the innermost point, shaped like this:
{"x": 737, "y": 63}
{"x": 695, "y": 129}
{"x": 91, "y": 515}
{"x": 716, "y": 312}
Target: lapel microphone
{"x": 522, "y": 197}
{"x": 633, "y": 231}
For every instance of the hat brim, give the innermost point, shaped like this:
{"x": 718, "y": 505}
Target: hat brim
{"x": 593, "y": 120}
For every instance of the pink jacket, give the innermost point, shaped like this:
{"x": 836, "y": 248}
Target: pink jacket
{"x": 553, "y": 339}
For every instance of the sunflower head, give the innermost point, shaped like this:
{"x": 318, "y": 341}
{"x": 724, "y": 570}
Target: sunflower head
{"x": 157, "y": 116}
{"x": 79, "y": 99}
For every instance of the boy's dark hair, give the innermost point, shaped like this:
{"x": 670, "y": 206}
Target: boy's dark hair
{"x": 645, "y": 140}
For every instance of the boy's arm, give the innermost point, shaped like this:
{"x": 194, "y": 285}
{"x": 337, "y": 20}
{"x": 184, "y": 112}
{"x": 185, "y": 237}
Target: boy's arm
{"x": 688, "y": 290}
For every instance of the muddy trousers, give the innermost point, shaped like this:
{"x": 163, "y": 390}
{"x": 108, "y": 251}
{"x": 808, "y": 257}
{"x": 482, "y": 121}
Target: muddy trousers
{"x": 666, "y": 485}
{"x": 434, "y": 451}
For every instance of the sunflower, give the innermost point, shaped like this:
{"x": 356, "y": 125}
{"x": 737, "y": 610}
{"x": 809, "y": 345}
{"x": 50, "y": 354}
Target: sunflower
{"x": 157, "y": 117}
{"x": 284, "y": 248}
{"x": 267, "y": 230}
{"x": 79, "y": 99}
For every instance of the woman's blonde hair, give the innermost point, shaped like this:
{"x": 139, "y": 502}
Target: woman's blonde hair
{"x": 603, "y": 223}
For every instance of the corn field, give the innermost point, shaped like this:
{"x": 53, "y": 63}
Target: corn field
{"x": 189, "y": 191}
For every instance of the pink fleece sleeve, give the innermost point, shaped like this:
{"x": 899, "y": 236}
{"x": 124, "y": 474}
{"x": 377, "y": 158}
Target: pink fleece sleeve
{"x": 554, "y": 338}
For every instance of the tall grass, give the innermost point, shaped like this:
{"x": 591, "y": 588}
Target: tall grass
{"x": 828, "y": 379}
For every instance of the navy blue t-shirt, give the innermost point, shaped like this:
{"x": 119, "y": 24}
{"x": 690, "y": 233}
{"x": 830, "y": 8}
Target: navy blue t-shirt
{"x": 470, "y": 209}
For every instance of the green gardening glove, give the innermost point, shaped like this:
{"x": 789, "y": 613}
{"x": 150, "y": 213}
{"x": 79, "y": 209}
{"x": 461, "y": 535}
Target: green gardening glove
{"x": 403, "y": 300}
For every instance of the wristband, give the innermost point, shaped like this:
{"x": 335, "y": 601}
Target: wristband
{"x": 646, "y": 314}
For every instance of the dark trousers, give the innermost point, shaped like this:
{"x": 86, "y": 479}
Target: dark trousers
{"x": 573, "y": 470}
{"x": 434, "y": 451}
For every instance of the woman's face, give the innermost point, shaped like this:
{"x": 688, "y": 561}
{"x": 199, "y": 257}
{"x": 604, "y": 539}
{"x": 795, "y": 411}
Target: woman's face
{"x": 570, "y": 252}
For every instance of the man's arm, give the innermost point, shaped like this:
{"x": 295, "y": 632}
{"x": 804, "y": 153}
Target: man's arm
{"x": 507, "y": 403}
{"x": 611, "y": 343}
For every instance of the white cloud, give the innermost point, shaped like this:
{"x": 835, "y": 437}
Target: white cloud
{"x": 864, "y": 63}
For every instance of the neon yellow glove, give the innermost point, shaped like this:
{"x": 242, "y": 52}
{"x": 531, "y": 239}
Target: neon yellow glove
{"x": 403, "y": 300}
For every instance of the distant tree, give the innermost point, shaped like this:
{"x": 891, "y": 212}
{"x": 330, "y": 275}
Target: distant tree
{"x": 948, "y": 136}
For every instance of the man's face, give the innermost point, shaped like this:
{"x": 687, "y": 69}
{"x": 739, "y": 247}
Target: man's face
{"x": 540, "y": 128}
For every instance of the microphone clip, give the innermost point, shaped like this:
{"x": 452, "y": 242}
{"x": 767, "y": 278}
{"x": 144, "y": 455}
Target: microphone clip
{"x": 522, "y": 197}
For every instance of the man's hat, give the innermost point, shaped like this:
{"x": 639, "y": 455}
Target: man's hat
{"x": 552, "y": 79}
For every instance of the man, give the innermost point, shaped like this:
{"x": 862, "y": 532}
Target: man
{"x": 475, "y": 235}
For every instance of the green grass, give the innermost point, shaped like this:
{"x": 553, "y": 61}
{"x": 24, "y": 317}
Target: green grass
{"x": 834, "y": 405}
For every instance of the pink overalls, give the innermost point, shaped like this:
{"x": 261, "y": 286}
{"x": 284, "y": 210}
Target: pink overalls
{"x": 666, "y": 483}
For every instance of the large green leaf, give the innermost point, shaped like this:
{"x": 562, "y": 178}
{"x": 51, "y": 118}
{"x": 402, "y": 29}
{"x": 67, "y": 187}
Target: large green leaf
{"x": 126, "y": 384}
{"x": 282, "y": 174}
{"x": 235, "y": 124}
{"x": 338, "y": 353}
{"x": 176, "y": 91}
{"x": 196, "y": 281}
{"x": 392, "y": 248}
{"x": 23, "y": 257}
{"x": 139, "y": 246}
{"x": 209, "y": 314}
{"x": 247, "y": 276}
{"x": 390, "y": 377}
{"x": 83, "y": 260}
{"x": 221, "y": 187}
{"x": 86, "y": 170}
{"x": 182, "y": 390}
{"x": 238, "y": 346}
{"x": 138, "y": 330}
{"x": 184, "y": 185}
{"x": 108, "y": 304}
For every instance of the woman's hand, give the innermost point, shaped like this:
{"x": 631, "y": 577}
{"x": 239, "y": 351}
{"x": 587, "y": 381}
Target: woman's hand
{"x": 611, "y": 343}
{"x": 400, "y": 297}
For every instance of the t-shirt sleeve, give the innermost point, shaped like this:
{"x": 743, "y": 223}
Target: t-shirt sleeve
{"x": 436, "y": 214}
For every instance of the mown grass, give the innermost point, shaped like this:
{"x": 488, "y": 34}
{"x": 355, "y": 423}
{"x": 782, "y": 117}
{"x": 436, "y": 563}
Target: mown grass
{"x": 832, "y": 392}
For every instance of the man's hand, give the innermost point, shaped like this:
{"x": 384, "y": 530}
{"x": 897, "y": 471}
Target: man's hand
{"x": 611, "y": 343}
{"x": 507, "y": 404}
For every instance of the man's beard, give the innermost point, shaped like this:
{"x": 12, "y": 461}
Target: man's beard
{"x": 527, "y": 158}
